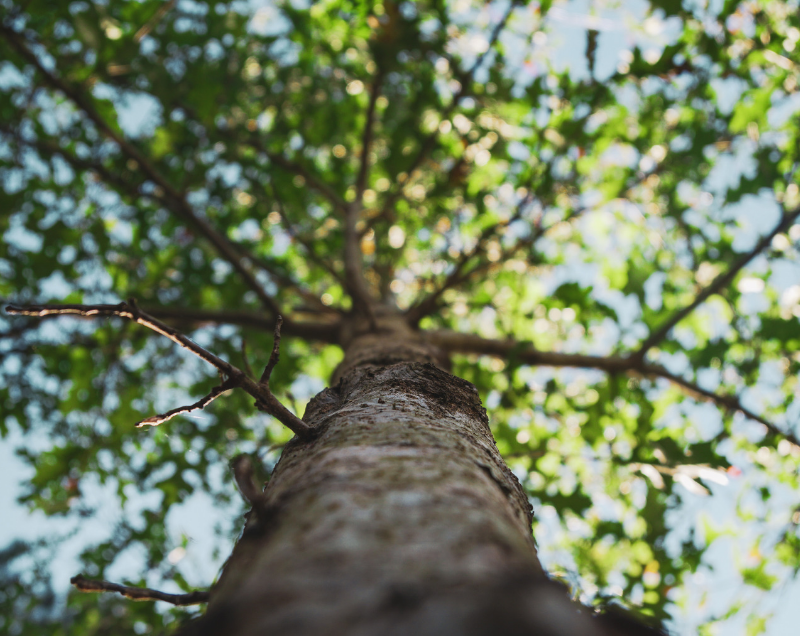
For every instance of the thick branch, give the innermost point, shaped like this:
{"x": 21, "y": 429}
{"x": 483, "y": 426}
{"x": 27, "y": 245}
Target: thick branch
{"x": 178, "y": 202}
{"x": 716, "y": 285}
{"x": 353, "y": 271}
{"x": 265, "y": 400}
{"x": 453, "y": 342}
{"x": 139, "y": 593}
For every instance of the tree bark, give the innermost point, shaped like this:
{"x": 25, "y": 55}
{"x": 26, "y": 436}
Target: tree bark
{"x": 398, "y": 516}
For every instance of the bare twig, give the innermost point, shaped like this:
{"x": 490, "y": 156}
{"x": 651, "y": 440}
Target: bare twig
{"x": 131, "y": 312}
{"x": 454, "y": 342}
{"x": 275, "y": 355}
{"x": 716, "y": 285}
{"x": 265, "y": 400}
{"x": 155, "y": 420}
{"x": 139, "y": 593}
{"x": 327, "y": 332}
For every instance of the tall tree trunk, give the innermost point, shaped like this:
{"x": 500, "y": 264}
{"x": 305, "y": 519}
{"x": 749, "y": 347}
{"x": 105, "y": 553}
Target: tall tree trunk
{"x": 398, "y": 517}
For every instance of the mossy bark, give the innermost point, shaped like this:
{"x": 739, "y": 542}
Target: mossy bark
{"x": 398, "y": 517}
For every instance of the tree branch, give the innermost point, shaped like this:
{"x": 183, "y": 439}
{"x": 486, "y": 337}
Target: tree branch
{"x": 428, "y": 305}
{"x": 366, "y": 144}
{"x": 139, "y": 593}
{"x": 265, "y": 400}
{"x": 454, "y": 342}
{"x": 715, "y": 286}
{"x": 275, "y": 355}
{"x": 306, "y": 243}
{"x": 179, "y": 205}
{"x": 355, "y": 282}
{"x": 327, "y": 332}
{"x": 430, "y": 142}
{"x": 314, "y": 182}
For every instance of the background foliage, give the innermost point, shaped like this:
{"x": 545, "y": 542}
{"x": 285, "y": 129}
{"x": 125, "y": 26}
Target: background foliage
{"x": 571, "y": 180}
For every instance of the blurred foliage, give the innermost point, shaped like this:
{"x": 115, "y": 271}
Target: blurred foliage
{"x": 585, "y": 181}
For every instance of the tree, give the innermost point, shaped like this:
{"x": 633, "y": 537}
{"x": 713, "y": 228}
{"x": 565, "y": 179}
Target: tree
{"x": 604, "y": 251}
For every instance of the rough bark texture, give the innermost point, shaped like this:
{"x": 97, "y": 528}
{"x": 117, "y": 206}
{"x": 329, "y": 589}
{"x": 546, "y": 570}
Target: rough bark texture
{"x": 399, "y": 516}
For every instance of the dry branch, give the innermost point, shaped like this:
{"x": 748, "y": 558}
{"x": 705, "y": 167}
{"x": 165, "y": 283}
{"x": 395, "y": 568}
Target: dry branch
{"x": 236, "y": 378}
{"x": 139, "y": 593}
{"x": 155, "y": 420}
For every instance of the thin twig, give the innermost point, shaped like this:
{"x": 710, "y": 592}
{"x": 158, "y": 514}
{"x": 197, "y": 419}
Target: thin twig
{"x": 131, "y": 312}
{"x": 275, "y": 355}
{"x": 155, "y": 420}
{"x": 139, "y": 593}
{"x": 265, "y": 400}
{"x": 428, "y": 305}
{"x": 327, "y": 332}
{"x": 716, "y": 285}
